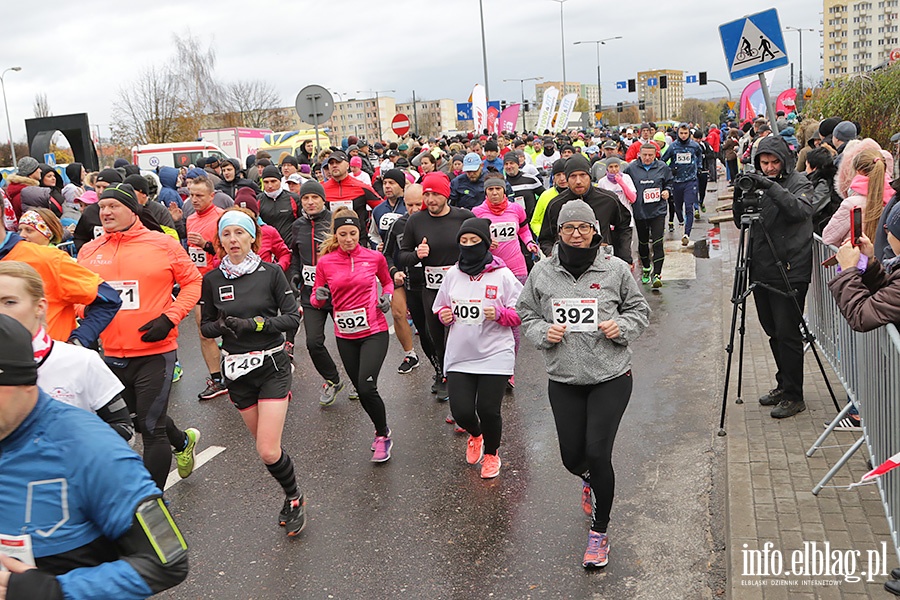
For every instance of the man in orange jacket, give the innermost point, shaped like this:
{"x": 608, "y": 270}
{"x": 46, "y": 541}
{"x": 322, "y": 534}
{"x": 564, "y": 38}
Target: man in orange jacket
{"x": 141, "y": 341}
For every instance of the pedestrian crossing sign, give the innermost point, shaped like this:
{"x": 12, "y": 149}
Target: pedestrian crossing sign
{"x": 753, "y": 44}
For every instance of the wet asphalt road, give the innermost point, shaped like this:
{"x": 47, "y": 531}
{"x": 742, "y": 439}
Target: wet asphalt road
{"x": 424, "y": 525}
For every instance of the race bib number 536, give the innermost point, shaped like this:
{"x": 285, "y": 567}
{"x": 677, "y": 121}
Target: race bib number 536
{"x": 577, "y": 314}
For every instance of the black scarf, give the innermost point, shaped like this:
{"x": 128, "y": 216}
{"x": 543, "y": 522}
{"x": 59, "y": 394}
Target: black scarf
{"x": 473, "y": 259}
{"x": 578, "y": 260}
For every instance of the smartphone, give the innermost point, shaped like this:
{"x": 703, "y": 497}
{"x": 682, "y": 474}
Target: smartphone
{"x": 855, "y": 226}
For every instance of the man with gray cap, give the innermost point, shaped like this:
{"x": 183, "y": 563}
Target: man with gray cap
{"x": 115, "y": 537}
{"x": 27, "y": 174}
{"x": 467, "y": 190}
{"x": 843, "y": 133}
{"x": 613, "y": 218}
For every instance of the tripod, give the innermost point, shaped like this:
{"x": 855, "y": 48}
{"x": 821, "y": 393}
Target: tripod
{"x": 741, "y": 288}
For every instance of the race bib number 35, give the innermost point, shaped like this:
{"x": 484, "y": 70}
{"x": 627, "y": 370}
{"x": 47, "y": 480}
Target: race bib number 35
{"x": 351, "y": 321}
{"x": 198, "y": 256}
{"x": 468, "y": 312}
{"x": 129, "y": 292}
{"x": 434, "y": 277}
{"x": 577, "y": 314}
{"x": 651, "y": 195}
{"x": 503, "y": 232}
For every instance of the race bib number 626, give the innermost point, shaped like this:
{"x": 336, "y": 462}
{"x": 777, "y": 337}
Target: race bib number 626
{"x": 577, "y": 314}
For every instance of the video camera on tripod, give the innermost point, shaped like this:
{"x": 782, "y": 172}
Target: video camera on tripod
{"x": 751, "y": 191}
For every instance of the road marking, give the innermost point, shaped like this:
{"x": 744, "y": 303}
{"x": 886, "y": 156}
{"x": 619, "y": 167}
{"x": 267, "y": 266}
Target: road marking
{"x": 200, "y": 459}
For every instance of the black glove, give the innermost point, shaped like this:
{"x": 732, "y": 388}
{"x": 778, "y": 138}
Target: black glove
{"x": 223, "y": 327}
{"x": 240, "y": 326}
{"x": 762, "y": 182}
{"x": 157, "y": 329}
{"x": 294, "y": 283}
{"x": 323, "y": 294}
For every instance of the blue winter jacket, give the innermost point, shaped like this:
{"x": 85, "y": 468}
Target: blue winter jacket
{"x": 465, "y": 194}
{"x": 649, "y": 181}
{"x": 168, "y": 193}
{"x": 684, "y": 158}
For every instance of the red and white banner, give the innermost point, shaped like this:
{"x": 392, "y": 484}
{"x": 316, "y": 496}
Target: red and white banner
{"x": 479, "y": 108}
{"x": 493, "y": 113}
{"x": 509, "y": 117}
{"x": 888, "y": 465}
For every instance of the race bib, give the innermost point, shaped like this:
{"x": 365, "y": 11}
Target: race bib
{"x": 309, "y": 275}
{"x": 98, "y": 231}
{"x": 651, "y": 195}
{"x": 520, "y": 200}
{"x": 387, "y": 219}
{"x": 129, "y": 292}
{"x": 336, "y": 204}
{"x": 504, "y": 232}
{"x": 683, "y": 158}
{"x": 198, "y": 256}
{"x": 18, "y": 547}
{"x": 434, "y": 277}
{"x": 577, "y": 314}
{"x": 351, "y": 321}
{"x": 468, "y": 312}
{"x": 238, "y": 365}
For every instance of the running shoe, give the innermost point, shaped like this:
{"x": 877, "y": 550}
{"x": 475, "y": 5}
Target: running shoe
{"x": 702, "y": 208}
{"x": 458, "y": 429}
{"x": 177, "y": 372}
{"x": 685, "y": 240}
{"x": 293, "y": 515}
{"x": 597, "y": 553}
{"x": 389, "y": 435}
{"x": 587, "y": 500}
{"x": 436, "y": 383}
{"x": 657, "y": 282}
{"x": 329, "y": 392}
{"x": 383, "y": 445}
{"x": 511, "y": 383}
{"x": 185, "y": 458}
{"x": 697, "y": 213}
{"x": 490, "y": 466}
{"x": 671, "y": 226}
{"x": 645, "y": 275}
{"x": 214, "y": 389}
{"x": 352, "y": 394}
{"x": 409, "y": 363}
{"x": 442, "y": 394}
{"x": 474, "y": 449}
{"x": 848, "y": 423}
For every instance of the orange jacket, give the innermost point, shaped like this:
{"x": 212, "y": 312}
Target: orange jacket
{"x": 207, "y": 225}
{"x": 143, "y": 265}
{"x": 66, "y": 283}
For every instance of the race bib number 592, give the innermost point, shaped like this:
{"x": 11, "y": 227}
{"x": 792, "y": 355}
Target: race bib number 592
{"x": 577, "y": 314}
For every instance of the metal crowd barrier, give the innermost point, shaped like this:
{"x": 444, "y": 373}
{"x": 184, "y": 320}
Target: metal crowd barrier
{"x": 868, "y": 366}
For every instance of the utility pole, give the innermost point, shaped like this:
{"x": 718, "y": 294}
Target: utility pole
{"x": 415, "y": 113}
{"x": 800, "y": 90}
{"x": 487, "y": 90}
{"x": 599, "y": 84}
{"x": 562, "y": 36}
{"x": 522, "y": 106}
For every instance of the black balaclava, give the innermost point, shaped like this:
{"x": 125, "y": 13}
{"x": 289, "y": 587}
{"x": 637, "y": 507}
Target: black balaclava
{"x": 73, "y": 172}
{"x": 578, "y": 260}
{"x": 473, "y": 259}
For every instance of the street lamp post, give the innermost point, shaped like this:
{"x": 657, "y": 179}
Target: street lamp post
{"x": 487, "y": 91}
{"x": 599, "y": 43}
{"x": 562, "y": 35}
{"x": 800, "y": 31}
{"x": 522, "y": 106}
{"x": 377, "y": 105}
{"x": 12, "y": 148}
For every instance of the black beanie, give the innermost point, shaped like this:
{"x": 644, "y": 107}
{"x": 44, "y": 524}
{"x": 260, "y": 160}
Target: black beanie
{"x": 577, "y": 163}
{"x": 559, "y": 166}
{"x": 271, "y": 171}
{"x": 139, "y": 184}
{"x": 826, "y": 127}
{"x": 312, "y": 187}
{"x": 17, "y": 366}
{"x": 124, "y": 193}
{"x": 480, "y": 227}
{"x": 110, "y": 176}
{"x": 397, "y": 175}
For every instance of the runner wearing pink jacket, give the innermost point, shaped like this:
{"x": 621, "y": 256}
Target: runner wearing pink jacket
{"x": 347, "y": 274}
{"x": 509, "y": 224}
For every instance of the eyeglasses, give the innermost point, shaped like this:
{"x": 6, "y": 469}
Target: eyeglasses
{"x": 583, "y": 229}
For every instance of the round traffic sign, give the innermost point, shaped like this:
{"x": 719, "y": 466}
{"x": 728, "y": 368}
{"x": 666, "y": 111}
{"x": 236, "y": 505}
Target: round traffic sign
{"x": 895, "y": 55}
{"x": 400, "y": 124}
{"x": 314, "y": 104}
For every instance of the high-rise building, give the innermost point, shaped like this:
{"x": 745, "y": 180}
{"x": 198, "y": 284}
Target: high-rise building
{"x": 661, "y": 103}
{"x": 588, "y": 91}
{"x": 858, "y": 36}
{"x": 429, "y": 117}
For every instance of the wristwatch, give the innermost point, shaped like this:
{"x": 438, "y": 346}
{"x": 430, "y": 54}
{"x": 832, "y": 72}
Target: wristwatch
{"x": 260, "y": 323}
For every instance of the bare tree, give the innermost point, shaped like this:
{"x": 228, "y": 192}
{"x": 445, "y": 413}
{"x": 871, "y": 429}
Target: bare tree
{"x": 41, "y": 106}
{"x": 251, "y": 103}
{"x": 149, "y": 110}
{"x": 195, "y": 67}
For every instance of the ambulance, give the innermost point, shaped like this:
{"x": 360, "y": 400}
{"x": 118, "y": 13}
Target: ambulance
{"x": 149, "y": 157}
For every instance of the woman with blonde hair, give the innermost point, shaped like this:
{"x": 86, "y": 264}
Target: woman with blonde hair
{"x": 869, "y": 190}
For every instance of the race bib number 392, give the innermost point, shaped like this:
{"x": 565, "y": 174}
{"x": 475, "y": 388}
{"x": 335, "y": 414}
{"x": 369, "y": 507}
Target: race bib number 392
{"x": 577, "y": 314}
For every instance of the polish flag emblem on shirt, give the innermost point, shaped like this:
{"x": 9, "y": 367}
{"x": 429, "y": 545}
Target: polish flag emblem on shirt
{"x": 490, "y": 292}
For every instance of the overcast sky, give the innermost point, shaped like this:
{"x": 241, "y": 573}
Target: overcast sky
{"x": 80, "y": 56}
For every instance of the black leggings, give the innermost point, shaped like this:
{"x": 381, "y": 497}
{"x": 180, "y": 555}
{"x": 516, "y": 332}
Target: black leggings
{"x": 475, "y": 405}
{"x": 651, "y": 232}
{"x": 587, "y": 419}
{"x": 314, "y": 321}
{"x": 436, "y": 329}
{"x": 147, "y": 380}
{"x": 418, "y": 313}
{"x": 362, "y": 359}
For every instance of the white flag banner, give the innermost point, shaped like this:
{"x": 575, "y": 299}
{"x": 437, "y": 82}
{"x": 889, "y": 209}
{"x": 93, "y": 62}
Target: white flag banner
{"x": 479, "y": 108}
{"x": 547, "y": 107}
{"x": 566, "y": 106}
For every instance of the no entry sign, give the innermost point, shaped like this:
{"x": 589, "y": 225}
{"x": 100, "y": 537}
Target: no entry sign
{"x": 400, "y": 124}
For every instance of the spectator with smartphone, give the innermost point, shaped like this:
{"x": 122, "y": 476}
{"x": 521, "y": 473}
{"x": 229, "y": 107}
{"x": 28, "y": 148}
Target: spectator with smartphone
{"x": 869, "y": 190}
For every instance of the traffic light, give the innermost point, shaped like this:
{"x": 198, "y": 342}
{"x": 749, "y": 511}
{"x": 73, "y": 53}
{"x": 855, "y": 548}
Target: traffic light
{"x": 632, "y": 86}
{"x": 525, "y": 106}
{"x": 702, "y": 77}
{"x": 663, "y": 82}
{"x": 503, "y": 105}
{"x": 619, "y": 107}
{"x": 642, "y": 104}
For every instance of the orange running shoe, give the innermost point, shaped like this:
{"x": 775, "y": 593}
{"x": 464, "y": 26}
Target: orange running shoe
{"x": 490, "y": 466}
{"x": 474, "y": 449}
{"x": 597, "y": 553}
{"x": 587, "y": 502}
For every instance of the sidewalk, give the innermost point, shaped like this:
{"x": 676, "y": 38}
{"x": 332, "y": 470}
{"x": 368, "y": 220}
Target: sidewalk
{"x": 769, "y": 478}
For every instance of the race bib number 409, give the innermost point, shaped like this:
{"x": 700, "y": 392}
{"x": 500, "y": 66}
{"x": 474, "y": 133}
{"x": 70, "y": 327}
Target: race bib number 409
{"x": 467, "y": 312}
{"x": 577, "y": 314}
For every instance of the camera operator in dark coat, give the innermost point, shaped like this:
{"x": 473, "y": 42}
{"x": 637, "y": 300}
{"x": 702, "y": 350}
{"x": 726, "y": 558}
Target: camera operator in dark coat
{"x": 785, "y": 204}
